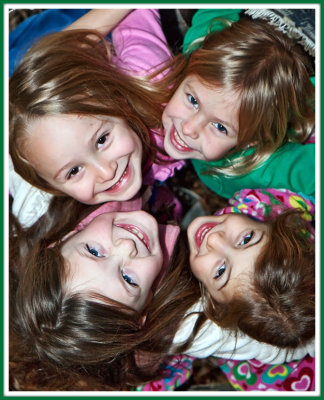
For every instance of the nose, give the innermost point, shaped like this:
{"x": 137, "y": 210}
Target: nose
{"x": 126, "y": 247}
{"x": 105, "y": 170}
{"x": 216, "y": 242}
{"x": 190, "y": 127}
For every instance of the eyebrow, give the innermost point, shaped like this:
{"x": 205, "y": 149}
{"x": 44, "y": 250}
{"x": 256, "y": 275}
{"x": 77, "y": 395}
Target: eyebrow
{"x": 215, "y": 116}
{"x": 91, "y": 139}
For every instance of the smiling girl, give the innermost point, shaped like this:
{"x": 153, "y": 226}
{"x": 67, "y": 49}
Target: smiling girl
{"x": 118, "y": 255}
{"x": 242, "y": 104}
{"x": 80, "y": 296}
{"x": 81, "y": 123}
{"x": 110, "y": 299}
{"x": 256, "y": 261}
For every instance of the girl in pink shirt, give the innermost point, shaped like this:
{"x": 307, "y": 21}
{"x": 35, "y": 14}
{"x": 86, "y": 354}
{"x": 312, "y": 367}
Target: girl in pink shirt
{"x": 82, "y": 116}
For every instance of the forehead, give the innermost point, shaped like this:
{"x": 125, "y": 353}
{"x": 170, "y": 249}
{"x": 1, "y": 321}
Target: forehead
{"x": 53, "y": 124}
{"x": 53, "y": 140}
{"x": 211, "y": 88}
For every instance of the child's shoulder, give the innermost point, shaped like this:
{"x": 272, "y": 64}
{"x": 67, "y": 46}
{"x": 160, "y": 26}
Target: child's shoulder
{"x": 292, "y": 167}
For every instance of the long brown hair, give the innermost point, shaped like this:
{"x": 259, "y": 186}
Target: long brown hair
{"x": 77, "y": 338}
{"x": 278, "y": 307}
{"x": 71, "y": 72}
{"x": 269, "y": 70}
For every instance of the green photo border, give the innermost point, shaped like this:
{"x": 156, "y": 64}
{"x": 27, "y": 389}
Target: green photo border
{"x": 4, "y": 197}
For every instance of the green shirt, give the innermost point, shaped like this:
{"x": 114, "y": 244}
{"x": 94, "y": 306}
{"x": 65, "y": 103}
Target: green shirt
{"x": 291, "y": 167}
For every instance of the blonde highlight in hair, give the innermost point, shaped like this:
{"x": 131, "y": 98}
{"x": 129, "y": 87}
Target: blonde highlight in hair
{"x": 71, "y": 72}
{"x": 85, "y": 337}
{"x": 270, "y": 71}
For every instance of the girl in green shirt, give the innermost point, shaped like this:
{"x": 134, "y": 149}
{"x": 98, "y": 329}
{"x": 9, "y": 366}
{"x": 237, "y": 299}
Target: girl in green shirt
{"x": 242, "y": 106}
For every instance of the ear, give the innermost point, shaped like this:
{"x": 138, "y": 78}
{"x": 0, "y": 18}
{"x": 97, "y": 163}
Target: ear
{"x": 64, "y": 238}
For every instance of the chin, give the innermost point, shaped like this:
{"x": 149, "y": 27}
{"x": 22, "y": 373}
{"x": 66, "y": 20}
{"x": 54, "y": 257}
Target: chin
{"x": 173, "y": 153}
{"x": 130, "y": 192}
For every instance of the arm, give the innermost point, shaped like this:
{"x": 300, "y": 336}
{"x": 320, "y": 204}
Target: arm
{"x": 291, "y": 167}
{"x": 103, "y": 20}
{"x": 212, "y": 340}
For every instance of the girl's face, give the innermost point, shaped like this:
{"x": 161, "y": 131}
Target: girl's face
{"x": 117, "y": 255}
{"x": 223, "y": 251}
{"x": 90, "y": 159}
{"x": 200, "y": 122}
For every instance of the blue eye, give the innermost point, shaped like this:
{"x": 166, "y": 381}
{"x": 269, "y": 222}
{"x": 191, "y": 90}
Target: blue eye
{"x": 246, "y": 239}
{"x": 128, "y": 279}
{"x": 221, "y": 128}
{"x": 74, "y": 171}
{"x": 93, "y": 251}
{"x": 192, "y": 100}
{"x": 220, "y": 271}
{"x": 102, "y": 140}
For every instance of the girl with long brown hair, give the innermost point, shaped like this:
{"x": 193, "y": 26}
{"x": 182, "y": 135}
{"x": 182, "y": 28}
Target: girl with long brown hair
{"x": 255, "y": 260}
{"x": 83, "y": 304}
{"x": 82, "y": 115}
{"x": 242, "y": 103}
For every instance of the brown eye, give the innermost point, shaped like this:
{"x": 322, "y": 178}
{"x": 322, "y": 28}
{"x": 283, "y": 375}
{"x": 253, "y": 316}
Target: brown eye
{"x": 102, "y": 140}
{"x": 73, "y": 171}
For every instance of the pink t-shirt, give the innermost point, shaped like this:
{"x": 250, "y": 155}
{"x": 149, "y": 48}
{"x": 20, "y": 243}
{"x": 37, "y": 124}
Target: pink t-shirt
{"x": 141, "y": 46}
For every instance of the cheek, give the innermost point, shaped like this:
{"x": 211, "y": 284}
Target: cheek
{"x": 216, "y": 149}
{"x": 173, "y": 106}
{"x": 154, "y": 268}
{"x": 83, "y": 192}
{"x": 129, "y": 143}
{"x": 195, "y": 266}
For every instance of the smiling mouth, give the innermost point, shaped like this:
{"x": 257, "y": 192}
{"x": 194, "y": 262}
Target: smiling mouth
{"x": 116, "y": 187}
{"x": 202, "y": 232}
{"x": 142, "y": 236}
{"x": 178, "y": 143}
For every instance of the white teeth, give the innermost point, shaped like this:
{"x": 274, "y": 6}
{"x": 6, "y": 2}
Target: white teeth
{"x": 123, "y": 174}
{"x": 204, "y": 233}
{"x": 178, "y": 138}
{"x": 137, "y": 233}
